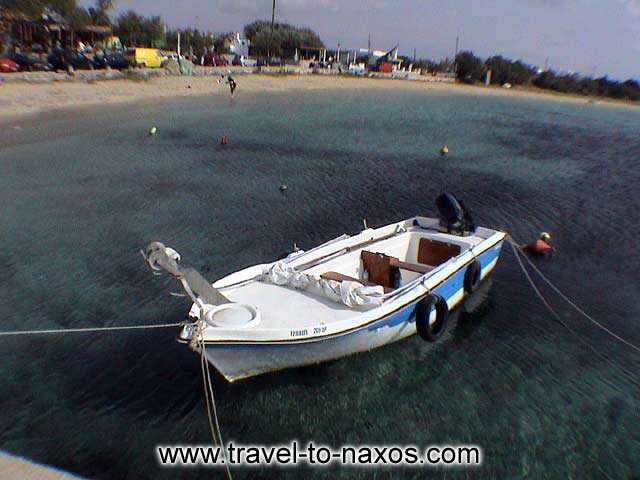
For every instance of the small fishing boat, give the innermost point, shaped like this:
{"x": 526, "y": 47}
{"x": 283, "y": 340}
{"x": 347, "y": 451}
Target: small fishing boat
{"x": 348, "y": 295}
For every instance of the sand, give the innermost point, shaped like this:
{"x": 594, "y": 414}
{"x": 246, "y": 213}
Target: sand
{"x": 19, "y": 98}
{"x": 16, "y": 468}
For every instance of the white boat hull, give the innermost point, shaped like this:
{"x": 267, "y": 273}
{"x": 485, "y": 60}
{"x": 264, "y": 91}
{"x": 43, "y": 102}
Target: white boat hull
{"x": 242, "y": 360}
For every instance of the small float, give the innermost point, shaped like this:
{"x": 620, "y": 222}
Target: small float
{"x": 348, "y": 295}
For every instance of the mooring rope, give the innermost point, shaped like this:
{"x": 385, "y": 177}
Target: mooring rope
{"x": 517, "y": 253}
{"x": 573, "y": 304}
{"x": 88, "y": 329}
{"x": 212, "y": 414}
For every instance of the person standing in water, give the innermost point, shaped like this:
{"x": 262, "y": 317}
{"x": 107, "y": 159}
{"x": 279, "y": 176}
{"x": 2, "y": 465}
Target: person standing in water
{"x": 229, "y": 80}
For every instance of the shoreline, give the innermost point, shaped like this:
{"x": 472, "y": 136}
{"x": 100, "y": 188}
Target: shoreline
{"x": 15, "y": 467}
{"x": 23, "y": 98}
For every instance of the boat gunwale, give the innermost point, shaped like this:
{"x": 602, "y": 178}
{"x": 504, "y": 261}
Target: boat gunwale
{"x": 350, "y": 330}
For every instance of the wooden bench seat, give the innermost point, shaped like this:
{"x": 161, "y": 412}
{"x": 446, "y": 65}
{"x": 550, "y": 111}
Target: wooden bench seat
{"x": 412, "y": 267}
{"x": 384, "y": 269}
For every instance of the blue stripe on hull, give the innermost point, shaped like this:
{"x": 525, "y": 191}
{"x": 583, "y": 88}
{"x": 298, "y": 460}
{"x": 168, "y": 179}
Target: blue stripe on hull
{"x": 446, "y": 290}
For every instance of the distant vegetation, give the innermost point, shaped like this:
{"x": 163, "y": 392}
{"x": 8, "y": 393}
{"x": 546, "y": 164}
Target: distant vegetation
{"x": 472, "y": 69}
{"x": 284, "y": 40}
{"x": 69, "y": 9}
{"x": 134, "y": 29}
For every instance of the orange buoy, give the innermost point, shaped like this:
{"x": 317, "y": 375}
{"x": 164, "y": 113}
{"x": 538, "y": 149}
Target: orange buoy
{"x": 223, "y": 140}
{"x": 540, "y": 246}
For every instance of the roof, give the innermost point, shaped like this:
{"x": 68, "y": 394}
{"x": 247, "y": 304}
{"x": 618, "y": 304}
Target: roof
{"x": 96, "y": 29}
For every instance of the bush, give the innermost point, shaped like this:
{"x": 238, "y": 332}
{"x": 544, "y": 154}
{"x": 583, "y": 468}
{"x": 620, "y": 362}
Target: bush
{"x": 283, "y": 40}
{"x": 469, "y": 68}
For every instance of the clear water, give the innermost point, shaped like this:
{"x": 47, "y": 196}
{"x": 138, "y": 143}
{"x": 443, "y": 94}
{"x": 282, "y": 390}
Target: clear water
{"x": 83, "y": 191}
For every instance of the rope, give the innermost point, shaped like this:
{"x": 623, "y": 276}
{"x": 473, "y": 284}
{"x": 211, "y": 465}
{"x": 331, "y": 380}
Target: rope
{"x": 570, "y": 302}
{"x": 516, "y": 252}
{"x": 89, "y": 329}
{"x": 212, "y": 413}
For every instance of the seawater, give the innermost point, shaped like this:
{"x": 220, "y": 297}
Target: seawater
{"x": 82, "y": 191}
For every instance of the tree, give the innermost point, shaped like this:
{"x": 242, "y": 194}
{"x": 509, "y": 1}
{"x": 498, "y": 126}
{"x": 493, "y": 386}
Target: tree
{"x": 469, "y": 68}
{"x": 504, "y": 70}
{"x": 27, "y": 7}
{"x": 155, "y": 31}
{"x": 444, "y": 65}
{"x": 36, "y": 7}
{"x": 100, "y": 13}
{"x": 264, "y": 44}
{"x": 129, "y": 27}
{"x": 79, "y": 18}
{"x": 65, "y": 8}
{"x": 284, "y": 39}
{"x": 104, "y": 5}
{"x": 199, "y": 41}
{"x": 499, "y": 67}
{"x": 220, "y": 43}
{"x": 134, "y": 29}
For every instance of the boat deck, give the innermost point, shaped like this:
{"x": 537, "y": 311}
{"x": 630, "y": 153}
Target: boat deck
{"x": 283, "y": 307}
{"x": 289, "y": 308}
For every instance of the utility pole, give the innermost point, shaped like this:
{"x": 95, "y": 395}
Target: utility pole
{"x": 414, "y": 55}
{"x": 455, "y": 57}
{"x": 273, "y": 19}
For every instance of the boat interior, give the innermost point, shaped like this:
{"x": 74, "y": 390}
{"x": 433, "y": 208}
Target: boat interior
{"x": 391, "y": 262}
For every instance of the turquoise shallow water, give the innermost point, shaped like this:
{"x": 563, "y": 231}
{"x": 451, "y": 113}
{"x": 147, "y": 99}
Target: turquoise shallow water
{"x": 82, "y": 192}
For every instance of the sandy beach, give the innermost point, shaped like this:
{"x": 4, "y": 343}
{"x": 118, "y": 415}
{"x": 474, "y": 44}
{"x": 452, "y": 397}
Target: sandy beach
{"x": 19, "y": 98}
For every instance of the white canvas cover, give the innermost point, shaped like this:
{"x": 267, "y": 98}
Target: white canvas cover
{"x": 351, "y": 294}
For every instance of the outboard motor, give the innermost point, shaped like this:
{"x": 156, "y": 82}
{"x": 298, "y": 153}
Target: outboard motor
{"x": 454, "y": 217}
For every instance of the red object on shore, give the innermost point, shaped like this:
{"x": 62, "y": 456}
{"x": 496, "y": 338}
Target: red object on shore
{"x": 8, "y": 66}
{"x": 223, "y": 140}
{"x": 386, "y": 67}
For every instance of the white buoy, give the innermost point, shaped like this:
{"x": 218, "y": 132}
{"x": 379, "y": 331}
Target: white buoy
{"x": 153, "y": 131}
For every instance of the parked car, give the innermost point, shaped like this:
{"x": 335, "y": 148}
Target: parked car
{"x": 113, "y": 60}
{"x": 8, "y": 66}
{"x": 63, "y": 59}
{"x": 214, "y": 60}
{"x": 169, "y": 55}
{"x": 357, "y": 68}
{"x": 145, "y": 57}
{"x": 30, "y": 64}
{"x": 245, "y": 61}
{"x": 320, "y": 64}
{"x": 270, "y": 62}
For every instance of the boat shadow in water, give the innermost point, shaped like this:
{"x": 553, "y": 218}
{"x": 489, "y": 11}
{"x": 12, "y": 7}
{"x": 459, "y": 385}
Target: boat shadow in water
{"x": 462, "y": 322}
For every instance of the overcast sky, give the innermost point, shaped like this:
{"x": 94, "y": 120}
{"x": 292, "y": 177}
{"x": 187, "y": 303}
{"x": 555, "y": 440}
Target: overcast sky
{"x": 601, "y": 36}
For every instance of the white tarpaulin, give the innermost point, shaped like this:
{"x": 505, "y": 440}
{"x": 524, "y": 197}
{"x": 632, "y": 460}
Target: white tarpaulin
{"x": 352, "y": 294}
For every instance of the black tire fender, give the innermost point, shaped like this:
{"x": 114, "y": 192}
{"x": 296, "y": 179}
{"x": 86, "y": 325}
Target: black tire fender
{"x": 472, "y": 276}
{"x": 431, "y": 331}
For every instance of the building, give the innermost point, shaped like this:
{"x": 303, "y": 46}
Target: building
{"x": 42, "y": 32}
{"x": 386, "y": 62}
{"x": 310, "y": 54}
{"x": 238, "y": 45}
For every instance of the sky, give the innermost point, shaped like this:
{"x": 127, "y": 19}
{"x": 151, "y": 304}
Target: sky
{"x": 586, "y": 36}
